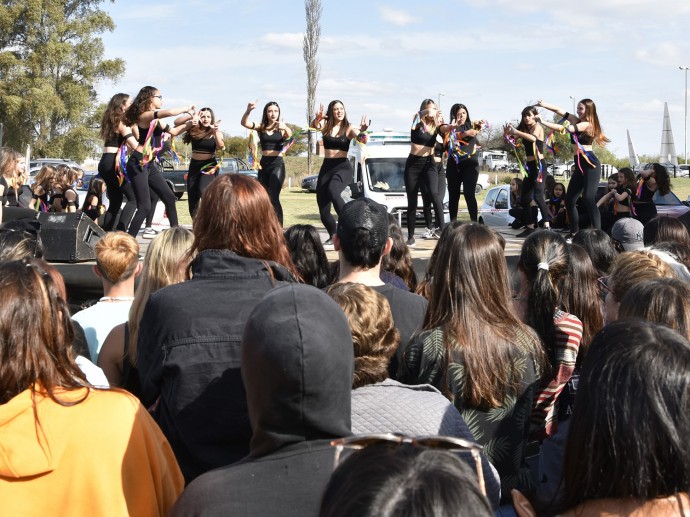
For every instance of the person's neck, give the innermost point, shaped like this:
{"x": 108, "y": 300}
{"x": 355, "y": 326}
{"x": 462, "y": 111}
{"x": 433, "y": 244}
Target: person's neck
{"x": 360, "y": 275}
{"x": 122, "y": 290}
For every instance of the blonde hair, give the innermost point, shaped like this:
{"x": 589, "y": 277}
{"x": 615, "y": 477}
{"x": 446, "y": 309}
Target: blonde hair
{"x": 633, "y": 267}
{"x": 374, "y": 335}
{"x": 117, "y": 256}
{"x": 165, "y": 264}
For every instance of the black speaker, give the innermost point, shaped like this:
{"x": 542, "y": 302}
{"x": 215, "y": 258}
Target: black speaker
{"x": 69, "y": 237}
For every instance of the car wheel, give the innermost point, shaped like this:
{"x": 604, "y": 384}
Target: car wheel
{"x": 481, "y": 220}
{"x": 478, "y": 189}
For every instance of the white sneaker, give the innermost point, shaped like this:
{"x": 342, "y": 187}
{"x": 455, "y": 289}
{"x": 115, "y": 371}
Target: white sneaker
{"x": 149, "y": 233}
{"x": 428, "y": 233}
{"x": 328, "y": 245}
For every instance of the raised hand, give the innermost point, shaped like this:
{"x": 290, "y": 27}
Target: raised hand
{"x": 216, "y": 125}
{"x": 252, "y": 105}
{"x": 364, "y": 125}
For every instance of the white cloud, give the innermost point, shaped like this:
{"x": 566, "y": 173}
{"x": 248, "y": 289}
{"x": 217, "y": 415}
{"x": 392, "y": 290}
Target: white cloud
{"x": 396, "y": 16}
{"x": 287, "y": 40}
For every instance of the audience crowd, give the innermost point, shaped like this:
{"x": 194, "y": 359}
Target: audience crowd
{"x": 245, "y": 375}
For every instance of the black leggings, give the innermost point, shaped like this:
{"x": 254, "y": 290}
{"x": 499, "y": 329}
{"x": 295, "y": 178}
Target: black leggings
{"x": 421, "y": 170}
{"x": 145, "y": 179}
{"x": 426, "y": 198}
{"x": 533, "y": 189}
{"x": 465, "y": 173}
{"x": 335, "y": 175}
{"x": 584, "y": 179}
{"x": 197, "y": 182}
{"x": 272, "y": 177}
{"x": 116, "y": 193}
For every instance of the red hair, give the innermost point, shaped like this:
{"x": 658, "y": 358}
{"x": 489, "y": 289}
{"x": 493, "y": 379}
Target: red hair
{"x": 236, "y": 214}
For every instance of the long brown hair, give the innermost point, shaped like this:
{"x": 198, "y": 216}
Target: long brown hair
{"x": 198, "y": 132}
{"x": 594, "y": 129}
{"x": 236, "y": 214}
{"x": 330, "y": 120}
{"x": 113, "y": 115}
{"x": 470, "y": 298}
{"x": 140, "y": 104}
{"x": 36, "y": 334}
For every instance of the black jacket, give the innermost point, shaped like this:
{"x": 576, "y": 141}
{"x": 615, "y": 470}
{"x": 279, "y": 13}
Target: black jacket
{"x": 189, "y": 357}
{"x": 297, "y": 364}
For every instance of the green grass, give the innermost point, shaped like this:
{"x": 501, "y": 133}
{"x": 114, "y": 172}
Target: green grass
{"x": 299, "y": 207}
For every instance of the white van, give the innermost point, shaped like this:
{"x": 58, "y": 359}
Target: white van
{"x": 380, "y": 172}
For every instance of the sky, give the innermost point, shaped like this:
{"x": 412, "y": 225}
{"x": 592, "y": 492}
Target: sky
{"x": 383, "y": 58}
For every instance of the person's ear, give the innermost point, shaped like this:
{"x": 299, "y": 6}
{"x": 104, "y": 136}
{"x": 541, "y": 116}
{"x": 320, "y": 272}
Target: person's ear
{"x": 387, "y": 247}
{"x": 522, "y": 506}
{"x": 138, "y": 269}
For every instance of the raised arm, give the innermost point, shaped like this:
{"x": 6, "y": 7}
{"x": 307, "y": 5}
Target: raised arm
{"x": 353, "y": 131}
{"x": 559, "y": 111}
{"x": 318, "y": 119}
{"x": 245, "y": 118}
{"x": 220, "y": 139}
{"x": 147, "y": 116}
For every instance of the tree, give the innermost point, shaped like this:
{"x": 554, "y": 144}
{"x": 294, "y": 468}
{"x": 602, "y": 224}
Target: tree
{"x": 310, "y": 47}
{"x": 50, "y": 60}
{"x": 236, "y": 146}
{"x": 301, "y": 141}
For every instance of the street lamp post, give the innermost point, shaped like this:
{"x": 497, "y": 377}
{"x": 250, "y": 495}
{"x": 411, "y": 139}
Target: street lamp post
{"x": 438, "y": 104}
{"x": 685, "y": 127}
{"x": 574, "y": 109}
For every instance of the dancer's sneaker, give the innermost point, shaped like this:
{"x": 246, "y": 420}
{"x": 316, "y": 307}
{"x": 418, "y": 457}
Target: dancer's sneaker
{"x": 149, "y": 233}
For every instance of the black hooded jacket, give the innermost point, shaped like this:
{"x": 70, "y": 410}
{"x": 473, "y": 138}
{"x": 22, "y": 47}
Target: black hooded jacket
{"x": 297, "y": 366}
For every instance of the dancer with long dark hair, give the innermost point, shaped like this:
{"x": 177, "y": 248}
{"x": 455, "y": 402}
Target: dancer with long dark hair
{"x": 114, "y": 133}
{"x": 273, "y": 134}
{"x": 585, "y": 130}
{"x": 143, "y": 168}
{"x": 463, "y": 168}
{"x": 336, "y": 173}
{"x": 532, "y": 135}
{"x": 206, "y": 139}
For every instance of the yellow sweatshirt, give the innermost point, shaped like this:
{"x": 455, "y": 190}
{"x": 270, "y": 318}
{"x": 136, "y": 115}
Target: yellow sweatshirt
{"x": 103, "y": 456}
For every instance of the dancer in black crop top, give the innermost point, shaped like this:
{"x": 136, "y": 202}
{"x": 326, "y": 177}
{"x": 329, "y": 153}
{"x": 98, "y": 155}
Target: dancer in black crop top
{"x": 273, "y": 134}
{"x": 462, "y": 168}
{"x": 10, "y": 186}
{"x": 114, "y": 133}
{"x": 532, "y": 135}
{"x": 336, "y": 172}
{"x": 144, "y": 172}
{"x": 585, "y": 179}
{"x": 206, "y": 138}
{"x": 421, "y": 171}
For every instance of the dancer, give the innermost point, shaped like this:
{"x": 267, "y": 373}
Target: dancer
{"x": 463, "y": 169}
{"x": 93, "y": 202}
{"x": 206, "y": 139}
{"x": 532, "y": 135}
{"x": 273, "y": 133}
{"x": 65, "y": 198}
{"x": 42, "y": 187}
{"x": 421, "y": 169}
{"x": 621, "y": 196}
{"x": 584, "y": 130}
{"x": 114, "y": 133}
{"x": 336, "y": 173}
{"x": 143, "y": 170}
{"x": 10, "y": 187}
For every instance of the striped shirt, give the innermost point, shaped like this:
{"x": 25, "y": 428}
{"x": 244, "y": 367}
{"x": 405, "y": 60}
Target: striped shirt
{"x": 568, "y": 330}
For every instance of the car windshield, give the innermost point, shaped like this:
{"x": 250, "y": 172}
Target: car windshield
{"x": 386, "y": 174}
{"x": 667, "y": 199}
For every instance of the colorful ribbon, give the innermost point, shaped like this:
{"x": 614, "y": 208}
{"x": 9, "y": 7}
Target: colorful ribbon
{"x": 513, "y": 146}
{"x": 253, "y": 146}
{"x": 210, "y": 168}
{"x": 121, "y": 164}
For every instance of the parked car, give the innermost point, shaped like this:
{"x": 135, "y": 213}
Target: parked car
{"x": 237, "y": 166}
{"x": 560, "y": 170}
{"x": 309, "y": 183}
{"x": 494, "y": 210}
{"x": 683, "y": 170}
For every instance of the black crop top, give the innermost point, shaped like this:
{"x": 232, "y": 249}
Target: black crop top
{"x": 115, "y": 140}
{"x": 275, "y": 141}
{"x": 336, "y": 143}
{"x": 143, "y": 131}
{"x": 438, "y": 149}
{"x": 204, "y": 145}
{"x": 420, "y": 136}
{"x": 529, "y": 148}
{"x": 583, "y": 137}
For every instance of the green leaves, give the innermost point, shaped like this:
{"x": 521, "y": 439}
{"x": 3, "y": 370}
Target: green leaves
{"x": 51, "y": 57}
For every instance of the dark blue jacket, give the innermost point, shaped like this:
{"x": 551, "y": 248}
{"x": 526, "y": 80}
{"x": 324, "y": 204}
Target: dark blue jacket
{"x": 189, "y": 357}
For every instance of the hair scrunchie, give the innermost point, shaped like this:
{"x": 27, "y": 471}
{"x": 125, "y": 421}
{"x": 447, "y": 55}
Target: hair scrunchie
{"x": 543, "y": 265}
